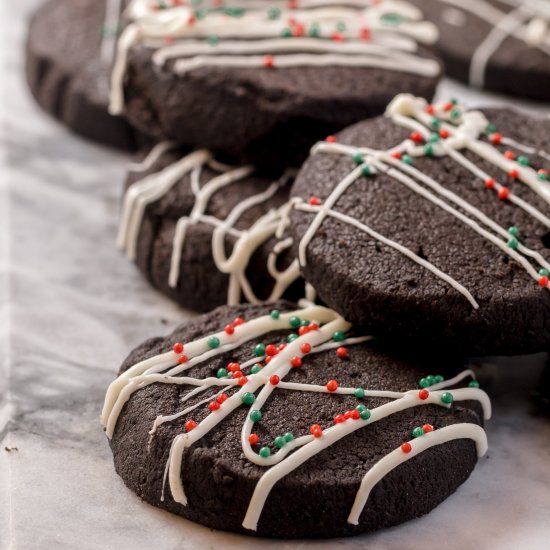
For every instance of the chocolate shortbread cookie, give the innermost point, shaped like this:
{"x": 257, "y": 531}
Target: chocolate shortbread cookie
{"x": 69, "y": 53}
{"x": 500, "y": 45}
{"x": 207, "y": 234}
{"x": 262, "y": 81}
{"x": 288, "y": 424}
{"x": 432, "y": 225}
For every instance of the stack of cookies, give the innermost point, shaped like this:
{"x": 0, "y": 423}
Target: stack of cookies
{"x": 348, "y": 240}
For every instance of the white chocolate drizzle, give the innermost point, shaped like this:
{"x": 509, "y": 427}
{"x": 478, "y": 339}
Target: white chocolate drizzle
{"x": 527, "y": 21}
{"x": 379, "y": 34}
{"x": 272, "y": 224}
{"x": 165, "y": 368}
{"x": 464, "y": 129}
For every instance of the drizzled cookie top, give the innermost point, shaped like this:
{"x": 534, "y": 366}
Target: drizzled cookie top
{"x": 298, "y": 337}
{"x": 269, "y": 35}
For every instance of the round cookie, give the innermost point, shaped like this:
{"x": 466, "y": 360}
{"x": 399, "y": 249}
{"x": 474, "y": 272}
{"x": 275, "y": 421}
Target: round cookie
{"x": 431, "y": 225}
{"x": 69, "y": 52}
{"x": 207, "y": 234}
{"x": 500, "y": 45}
{"x": 262, "y": 81}
{"x": 320, "y": 434}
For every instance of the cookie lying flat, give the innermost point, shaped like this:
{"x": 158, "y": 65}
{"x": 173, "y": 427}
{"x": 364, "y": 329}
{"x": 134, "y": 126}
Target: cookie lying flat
{"x": 208, "y": 234}
{"x": 263, "y": 81}
{"x": 70, "y": 49}
{"x": 501, "y": 45}
{"x": 283, "y": 424}
{"x": 432, "y": 225}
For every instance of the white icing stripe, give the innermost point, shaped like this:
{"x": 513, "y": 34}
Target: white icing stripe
{"x": 295, "y": 451}
{"x": 419, "y": 445}
{"x": 384, "y": 34}
{"x": 272, "y": 224}
{"x": 156, "y": 152}
{"x": 525, "y": 148}
{"x": 110, "y": 30}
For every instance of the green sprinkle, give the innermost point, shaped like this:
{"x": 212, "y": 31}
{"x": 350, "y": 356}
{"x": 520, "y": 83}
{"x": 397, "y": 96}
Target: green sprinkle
{"x": 523, "y": 160}
{"x": 434, "y": 138}
{"x": 447, "y": 398}
{"x": 456, "y": 113}
{"x": 305, "y": 323}
{"x": 338, "y": 336}
{"x": 423, "y": 383}
{"x": 366, "y": 170}
{"x": 361, "y": 407}
{"x": 275, "y": 314}
{"x": 256, "y": 369}
{"x": 428, "y": 150}
{"x": 544, "y": 272}
{"x": 391, "y": 18}
{"x": 431, "y": 379}
{"x": 453, "y": 100}
{"x": 248, "y": 398}
{"x": 259, "y": 350}
{"x": 473, "y": 384}
{"x": 274, "y": 13}
{"x": 365, "y": 414}
{"x": 438, "y": 378}
{"x": 358, "y": 158}
{"x": 213, "y": 40}
{"x": 490, "y": 129}
{"x": 295, "y": 322}
{"x": 201, "y": 13}
{"x": 341, "y": 26}
{"x": 279, "y": 442}
{"x": 417, "y": 432}
{"x": 291, "y": 337}
{"x": 288, "y": 437}
{"x": 435, "y": 123}
{"x": 407, "y": 159}
{"x": 265, "y": 452}
{"x": 359, "y": 393}
{"x": 286, "y": 32}
{"x": 514, "y": 231}
{"x": 314, "y": 30}
{"x": 213, "y": 342}
{"x": 222, "y": 373}
{"x": 512, "y": 243}
{"x": 542, "y": 176}
{"x": 255, "y": 415}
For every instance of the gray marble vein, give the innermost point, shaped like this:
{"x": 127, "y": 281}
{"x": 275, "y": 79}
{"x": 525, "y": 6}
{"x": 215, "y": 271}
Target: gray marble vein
{"x": 71, "y": 307}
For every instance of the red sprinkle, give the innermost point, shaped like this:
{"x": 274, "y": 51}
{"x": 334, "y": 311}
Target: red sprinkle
{"x": 242, "y": 381}
{"x": 190, "y": 425}
{"x": 316, "y": 430}
{"x": 253, "y": 439}
{"x": 430, "y": 109}
{"x": 296, "y": 362}
{"x": 238, "y": 321}
{"x": 233, "y": 367}
{"x": 267, "y": 360}
{"x": 237, "y": 374}
{"x": 314, "y": 201}
{"x": 509, "y": 155}
{"x": 406, "y": 447}
{"x": 444, "y": 134}
{"x": 305, "y": 348}
{"x": 490, "y": 183}
{"x": 423, "y": 394}
{"x": 271, "y": 350}
{"x": 229, "y": 330}
{"x": 332, "y": 385}
{"x": 339, "y": 418}
{"x": 303, "y": 330}
{"x": 269, "y": 62}
{"x": 496, "y": 138}
{"x": 417, "y": 137}
{"x": 513, "y": 173}
{"x": 365, "y": 34}
{"x": 337, "y": 37}
{"x": 331, "y": 139}
{"x": 282, "y": 346}
{"x": 274, "y": 379}
{"x": 182, "y": 359}
{"x": 396, "y": 155}
{"x": 448, "y": 106}
{"x": 312, "y": 327}
{"x": 427, "y": 428}
{"x": 503, "y": 193}
{"x": 178, "y": 348}
{"x": 214, "y": 406}
{"x": 221, "y": 398}
{"x": 342, "y": 352}
{"x": 543, "y": 281}
{"x": 355, "y": 414}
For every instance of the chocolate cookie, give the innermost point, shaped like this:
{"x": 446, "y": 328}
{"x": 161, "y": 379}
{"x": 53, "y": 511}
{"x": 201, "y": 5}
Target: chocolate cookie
{"x": 70, "y": 50}
{"x": 431, "y": 225}
{"x": 208, "y": 234}
{"x": 287, "y": 424}
{"x": 501, "y": 45}
{"x": 262, "y": 81}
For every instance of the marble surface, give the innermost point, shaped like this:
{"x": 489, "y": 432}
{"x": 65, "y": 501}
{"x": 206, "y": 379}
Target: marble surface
{"x": 71, "y": 307}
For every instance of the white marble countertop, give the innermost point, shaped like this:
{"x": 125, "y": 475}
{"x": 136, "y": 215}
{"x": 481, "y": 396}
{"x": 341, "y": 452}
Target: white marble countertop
{"x": 71, "y": 308}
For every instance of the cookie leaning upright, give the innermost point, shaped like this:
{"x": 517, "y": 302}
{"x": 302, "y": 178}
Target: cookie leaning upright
{"x": 205, "y": 233}
{"x": 501, "y": 45}
{"x": 69, "y": 52}
{"x": 279, "y": 422}
{"x": 431, "y": 226}
{"x": 265, "y": 80}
